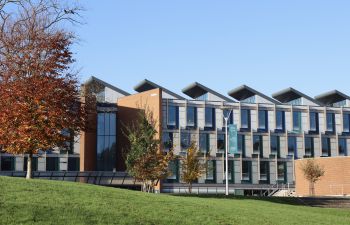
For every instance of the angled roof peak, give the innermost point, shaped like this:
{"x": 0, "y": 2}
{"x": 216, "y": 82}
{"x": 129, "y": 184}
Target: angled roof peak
{"x": 244, "y": 92}
{"x": 197, "y": 90}
{"x": 332, "y": 97}
{"x": 146, "y": 85}
{"x": 289, "y": 94}
{"x": 105, "y": 84}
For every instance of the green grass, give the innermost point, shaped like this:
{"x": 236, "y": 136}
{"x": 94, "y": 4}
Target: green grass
{"x": 55, "y": 202}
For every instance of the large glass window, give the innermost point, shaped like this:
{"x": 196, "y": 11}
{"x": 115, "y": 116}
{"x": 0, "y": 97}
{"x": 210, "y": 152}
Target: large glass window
{"x": 173, "y": 117}
{"x": 246, "y": 171}
{"x": 211, "y": 172}
{"x": 258, "y": 144}
{"x": 297, "y": 121}
{"x": 309, "y": 147}
{"x": 264, "y": 171}
{"x": 209, "y": 118}
{"x": 326, "y": 147}
{"x": 191, "y": 117}
{"x": 281, "y": 172}
{"x": 221, "y": 142}
{"x": 34, "y": 163}
{"x": 204, "y": 142}
{"x": 275, "y": 145}
{"x": 227, "y": 113}
{"x": 263, "y": 121}
{"x": 346, "y": 122}
{"x": 7, "y": 163}
{"x": 73, "y": 164}
{"x": 52, "y": 163}
{"x": 245, "y": 119}
{"x": 280, "y": 120}
{"x": 185, "y": 140}
{"x": 174, "y": 172}
{"x": 342, "y": 147}
{"x": 331, "y": 122}
{"x": 314, "y": 122}
{"x": 106, "y": 141}
{"x": 167, "y": 141}
{"x": 241, "y": 144}
{"x": 292, "y": 146}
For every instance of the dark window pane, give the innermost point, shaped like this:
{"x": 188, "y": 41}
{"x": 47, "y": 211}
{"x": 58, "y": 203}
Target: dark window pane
{"x": 292, "y": 146}
{"x": 296, "y": 121}
{"x": 209, "y": 117}
{"x": 204, "y": 143}
{"x": 52, "y": 164}
{"x": 7, "y": 163}
{"x": 263, "y": 120}
{"x": 330, "y": 122}
{"x": 172, "y": 111}
{"x": 245, "y": 118}
{"x": 314, "y": 121}
{"x": 191, "y": 116}
{"x": 185, "y": 140}
{"x": 346, "y": 119}
{"x": 342, "y": 147}
{"x": 309, "y": 147}
{"x": 221, "y": 142}
{"x": 73, "y": 164}
{"x": 246, "y": 171}
{"x": 167, "y": 141}
{"x": 326, "y": 147}
{"x": 280, "y": 123}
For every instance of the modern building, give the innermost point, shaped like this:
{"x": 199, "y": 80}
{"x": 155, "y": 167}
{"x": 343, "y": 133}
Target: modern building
{"x": 273, "y": 133}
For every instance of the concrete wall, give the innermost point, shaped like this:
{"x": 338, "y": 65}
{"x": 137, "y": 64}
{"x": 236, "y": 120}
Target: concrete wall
{"x": 336, "y": 180}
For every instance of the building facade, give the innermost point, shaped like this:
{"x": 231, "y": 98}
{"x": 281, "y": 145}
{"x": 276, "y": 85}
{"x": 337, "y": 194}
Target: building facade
{"x": 273, "y": 132}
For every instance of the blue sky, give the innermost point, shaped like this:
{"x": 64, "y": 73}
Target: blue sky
{"x": 268, "y": 45}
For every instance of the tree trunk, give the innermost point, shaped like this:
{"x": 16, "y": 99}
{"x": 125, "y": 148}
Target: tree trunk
{"x": 190, "y": 188}
{"x": 311, "y": 188}
{"x": 29, "y": 166}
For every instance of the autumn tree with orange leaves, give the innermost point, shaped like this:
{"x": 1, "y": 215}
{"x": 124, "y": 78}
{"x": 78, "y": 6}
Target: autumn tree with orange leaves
{"x": 40, "y": 106}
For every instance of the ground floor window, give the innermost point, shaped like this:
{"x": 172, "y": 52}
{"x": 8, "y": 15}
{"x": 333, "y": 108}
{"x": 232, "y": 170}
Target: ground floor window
{"x": 231, "y": 172}
{"x": 211, "y": 172}
{"x": 246, "y": 171}
{"x": 7, "y": 163}
{"x": 34, "y": 163}
{"x": 342, "y": 147}
{"x": 73, "y": 164}
{"x": 174, "y": 172}
{"x": 264, "y": 172}
{"x": 52, "y": 163}
{"x": 281, "y": 172}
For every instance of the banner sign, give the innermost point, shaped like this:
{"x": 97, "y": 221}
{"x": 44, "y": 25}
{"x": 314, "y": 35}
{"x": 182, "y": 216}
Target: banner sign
{"x": 233, "y": 139}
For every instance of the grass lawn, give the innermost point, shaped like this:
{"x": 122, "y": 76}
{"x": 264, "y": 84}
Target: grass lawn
{"x": 55, "y": 202}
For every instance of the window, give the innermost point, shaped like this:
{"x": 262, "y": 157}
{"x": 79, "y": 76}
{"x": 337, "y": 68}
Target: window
{"x": 309, "y": 147}
{"x": 185, "y": 140}
{"x": 330, "y": 122}
{"x": 203, "y": 97}
{"x": 34, "y": 164}
{"x": 106, "y": 141}
{"x": 167, "y": 141}
{"x": 191, "y": 117}
{"x": 295, "y": 102}
{"x": 346, "y": 119}
{"x": 280, "y": 121}
{"x": 210, "y": 118}
{"x": 339, "y": 104}
{"x": 264, "y": 172}
{"x": 7, "y": 163}
{"x": 292, "y": 147}
{"x": 326, "y": 147}
{"x": 246, "y": 171}
{"x": 227, "y": 113}
{"x": 204, "y": 143}
{"x": 221, "y": 142}
{"x": 263, "y": 121}
{"x": 313, "y": 122}
{"x": 297, "y": 121}
{"x": 275, "y": 145}
{"x": 73, "y": 164}
{"x": 281, "y": 172}
{"x": 174, "y": 172}
{"x": 231, "y": 173}
{"x": 342, "y": 147}
{"x": 52, "y": 164}
{"x": 258, "y": 144}
{"x": 173, "y": 117}
{"x": 245, "y": 119}
{"x": 249, "y": 99}
{"x": 241, "y": 144}
{"x": 211, "y": 172}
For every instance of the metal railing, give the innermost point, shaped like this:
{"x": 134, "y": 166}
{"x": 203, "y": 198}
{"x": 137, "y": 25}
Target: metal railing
{"x": 91, "y": 177}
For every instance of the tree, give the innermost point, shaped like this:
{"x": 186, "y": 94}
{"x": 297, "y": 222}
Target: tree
{"x": 192, "y": 166}
{"x": 313, "y": 173}
{"x": 39, "y": 95}
{"x": 144, "y": 160}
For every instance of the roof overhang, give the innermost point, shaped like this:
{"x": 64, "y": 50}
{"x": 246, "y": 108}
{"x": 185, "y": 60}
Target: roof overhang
{"x": 332, "y": 97}
{"x": 290, "y": 94}
{"x": 243, "y": 92}
{"x": 105, "y": 84}
{"x": 196, "y": 90}
{"x": 147, "y": 85}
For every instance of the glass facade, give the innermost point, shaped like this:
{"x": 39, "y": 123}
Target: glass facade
{"x": 292, "y": 147}
{"x": 241, "y": 144}
{"x": 309, "y": 147}
{"x": 295, "y": 102}
{"x": 264, "y": 172}
{"x": 275, "y": 145}
{"x": 191, "y": 117}
{"x": 221, "y": 142}
{"x": 246, "y": 171}
{"x": 330, "y": 122}
{"x": 346, "y": 123}
{"x": 281, "y": 172}
{"x": 263, "y": 121}
{"x": 173, "y": 117}
{"x": 245, "y": 119}
{"x": 258, "y": 144}
{"x": 106, "y": 141}
{"x": 342, "y": 151}
{"x": 227, "y": 113}
{"x": 211, "y": 172}
{"x": 314, "y": 122}
{"x": 210, "y": 118}
{"x": 326, "y": 147}
{"x": 204, "y": 142}
{"x": 280, "y": 121}
{"x": 297, "y": 121}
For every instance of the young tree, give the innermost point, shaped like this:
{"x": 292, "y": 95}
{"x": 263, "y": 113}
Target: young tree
{"x": 144, "y": 160}
{"x": 193, "y": 166}
{"x": 39, "y": 97}
{"x": 313, "y": 173}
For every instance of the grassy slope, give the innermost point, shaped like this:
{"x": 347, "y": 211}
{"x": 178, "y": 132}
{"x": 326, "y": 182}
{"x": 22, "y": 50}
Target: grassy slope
{"x": 50, "y": 202}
